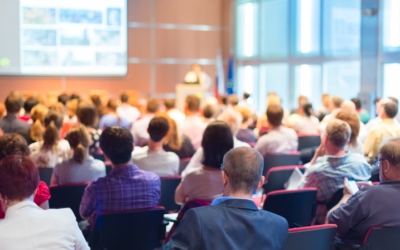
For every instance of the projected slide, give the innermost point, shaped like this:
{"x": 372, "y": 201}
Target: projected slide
{"x": 63, "y": 37}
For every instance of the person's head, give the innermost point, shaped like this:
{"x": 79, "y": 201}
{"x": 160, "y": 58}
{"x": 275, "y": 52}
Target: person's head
{"x": 196, "y": 68}
{"x": 233, "y": 100}
{"x": 173, "y": 139}
{"x": 335, "y": 103}
{"x": 389, "y": 161}
{"x": 57, "y": 106}
{"x": 354, "y": 122}
{"x": 19, "y": 179}
{"x": 243, "y": 168}
{"x": 78, "y": 139}
{"x": 222, "y": 99}
{"x": 337, "y": 135}
{"x": 14, "y": 103}
{"x": 376, "y": 101}
{"x": 348, "y": 105}
{"x": 246, "y": 96}
{"x": 357, "y": 102}
{"x": 158, "y": 129}
{"x": 112, "y": 105}
{"x": 63, "y": 98}
{"x": 302, "y": 99}
{"x": 192, "y": 104}
{"x": 152, "y": 105}
{"x": 169, "y": 103}
{"x": 208, "y": 111}
{"x": 273, "y": 100}
{"x": 13, "y": 144}
{"x": 326, "y": 100}
{"x": 75, "y": 96}
{"x": 117, "y": 144}
{"x": 124, "y": 98}
{"x": 53, "y": 122}
{"x": 38, "y": 113}
{"x": 86, "y": 113}
{"x": 217, "y": 141}
{"x": 389, "y": 110}
{"x": 29, "y": 104}
{"x": 308, "y": 109}
{"x": 246, "y": 114}
{"x": 394, "y": 99}
{"x": 233, "y": 119}
{"x": 96, "y": 100}
{"x": 72, "y": 106}
{"x": 274, "y": 115}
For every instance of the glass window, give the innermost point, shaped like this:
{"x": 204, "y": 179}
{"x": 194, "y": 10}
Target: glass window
{"x": 342, "y": 25}
{"x": 307, "y": 81}
{"x": 274, "y": 77}
{"x": 341, "y": 79}
{"x": 246, "y": 29}
{"x": 307, "y": 27}
{"x": 274, "y": 27}
{"x": 391, "y": 25}
{"x": 247, "y": 82}
{"x": 391, "y": 80}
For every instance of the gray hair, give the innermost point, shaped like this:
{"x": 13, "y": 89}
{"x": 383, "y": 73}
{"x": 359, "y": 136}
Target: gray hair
{"x": 244, "y": 167}
{"x": 233, "y": 119}
{"x": 391, "y": 152}
{"x": 338, "y": 132}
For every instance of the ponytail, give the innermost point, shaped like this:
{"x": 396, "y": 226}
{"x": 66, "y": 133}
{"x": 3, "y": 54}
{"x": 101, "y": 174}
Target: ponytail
{"x": 51, "y": 135}
{"x": 37, "y": 131}
{"x": 308, "y": 110}
{"x": 78, "y": 139}
{"x": 80, "y": 154}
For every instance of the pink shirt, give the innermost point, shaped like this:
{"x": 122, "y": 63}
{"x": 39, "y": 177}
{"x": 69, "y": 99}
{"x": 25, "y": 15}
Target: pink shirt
{"x": 193, "y": 127}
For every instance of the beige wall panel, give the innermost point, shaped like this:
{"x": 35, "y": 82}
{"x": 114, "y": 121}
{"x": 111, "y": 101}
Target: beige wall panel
{"x": 139, "y": 42}
{"x": 139, "y": 11}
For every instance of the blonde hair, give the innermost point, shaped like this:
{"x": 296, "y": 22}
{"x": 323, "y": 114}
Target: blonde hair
{"x": 78, "y": 138}
{"x": 58, "y": 106}
{"x": 72, "y": 106}
{"x": 38, "y": 113}
{"x": 173, "y": 140}
{"x": 245, "y": 112}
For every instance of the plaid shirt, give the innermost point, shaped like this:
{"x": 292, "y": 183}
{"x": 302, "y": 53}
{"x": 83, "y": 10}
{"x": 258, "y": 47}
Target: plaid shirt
{"x": 328, "y": 173}
{"x": 124, "y": 188}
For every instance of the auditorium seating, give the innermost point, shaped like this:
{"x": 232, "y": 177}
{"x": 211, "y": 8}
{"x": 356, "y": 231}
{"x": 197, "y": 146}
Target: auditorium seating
{"x": 183, "y": 164}
{"x": 45, "y": 175}
{"x": 100, "y": 157}
{"x": 168, "y": 187}
{"x": 271, "y": 161}
{"x": 140, "y": 229}
{"x": 308, "y": 141}
{"x": 298, "y": 206}
{"x": 278, "y": 176}
{"x": 311, "y": 238}
{"x": 108, "y": 167}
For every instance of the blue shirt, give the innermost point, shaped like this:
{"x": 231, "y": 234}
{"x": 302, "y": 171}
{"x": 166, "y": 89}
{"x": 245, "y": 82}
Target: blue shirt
{"x": 112, "y": 120}
{"x": 218, "y": 200}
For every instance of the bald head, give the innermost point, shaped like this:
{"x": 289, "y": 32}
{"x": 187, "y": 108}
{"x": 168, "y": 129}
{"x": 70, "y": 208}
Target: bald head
{"x": 338, "y": 133}
{"x": 244, "y": 167}
{"x": 348, "y": 105}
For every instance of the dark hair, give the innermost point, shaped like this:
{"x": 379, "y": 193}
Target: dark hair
{"x": 152, "y": 105}
{"x": 53, "y": 122}
{"x": 13, "y": 144}
{"x": 193, "y": 103}
{"x": 246, "y": 95}
{"x": 14, "y": 102}
{"x": 124, "y": 97}
{"x": 244, "y": 167}
{"x": 63, "y": 98}
{"x": 337, "y": 101}
{"x": 99, "y": 106}
{"x": 30, "y": 103}
{"x": 394, "y": 99}
{"x": 391, "y": 109}
{"x": 223, "y": 99}
{"x": 78, "y": 139}
{"x": 112, "y": 104}
{"x": 376, "y": 100}
{"x": 233, "y": 99}
{"x": 208, "y": 111}
{"x": 308, "y": 110}
{"x": 338, "y": 132}
{"x": 158, "y": 128}
{"x": 217, "y": 141}
{"x": 357, "y": 102}
{"x": 86, "y": 113}
{"x": 117, "y": 144}
{"x": 275, "y": 115}
{"x": 169, "y": 103}
{"x": 75, "y": 96}
{"x": 19, "y": 177}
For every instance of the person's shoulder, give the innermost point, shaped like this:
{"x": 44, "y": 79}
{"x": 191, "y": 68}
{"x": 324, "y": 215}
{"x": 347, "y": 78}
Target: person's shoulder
{"x": 358, "y": 158}
{"x": 146, "y": 175}
{"x": 171, "y": 156}
{"x": 63, "y": 144}
{"x": 61, "y": 217}
{"x": 96, "y": 163}
{"x": 274, "y": 219}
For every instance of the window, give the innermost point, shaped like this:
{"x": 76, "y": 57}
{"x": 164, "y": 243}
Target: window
{"x": 307, "y": 79}
{"x": 391, "y": 80}
{"x": 246, "y": 23}
{"x": 391, "y": 25}
{"x": 247, "y": 81}
{"x": 274, "y": 77}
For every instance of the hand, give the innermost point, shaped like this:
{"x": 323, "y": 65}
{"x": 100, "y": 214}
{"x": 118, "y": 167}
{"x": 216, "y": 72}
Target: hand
{"x": 363, "y": 184}
{"x": 346, "y": 189}
{"x": 320, "y": 150}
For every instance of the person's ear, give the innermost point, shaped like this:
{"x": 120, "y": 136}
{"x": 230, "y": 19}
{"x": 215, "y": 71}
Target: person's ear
{"x": 224, "y": 178}
{"x": 261, "y": 182}
{"x": 386, "y": 166}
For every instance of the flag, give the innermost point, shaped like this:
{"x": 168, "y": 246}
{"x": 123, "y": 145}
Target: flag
{"x": 230, "y": 83}
{"x": 219, "y": 75}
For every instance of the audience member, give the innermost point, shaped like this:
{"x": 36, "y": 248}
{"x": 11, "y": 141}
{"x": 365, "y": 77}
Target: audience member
{"x": 28, "y": 105}
{"x": 208, "y": 113}
{"x": 141, "y": 189}
{"x": 334, "y": 108}
{"x": 130, "y": 113}
{"x": 379, "y": 106}
{"x": 387, "y": 128}
{"x": 139, "y": 128}
{"x": 324, "y": 109}
{"x": 205, "y": 183}
{"x": 193, "y": 126}
{"x": 2, "y": 110}
{"x": 99, "y": 108}
{"x": 394, "y": 99}
{"x": 87, "y": 116}
{"x": 245, "y": 134}
{"x": 26, "y": 226}
{"x": 245, "y": 103}
{"x": 279, "y": 140}
{"x": 355, "y": 144}
{"x": 372, "y": 205}
{"x": 363, "y": 114}
{"x": 233, "y": 101}
{"x": 51, "y": 150}
{"x": 155, "y": 159}
{"x": 63, "y": 98}
{"x": 113, "y": 118}
{"x": 38, "y": 113}
{"x": 235, "y": 219}
{"x": 75, "y": 96}
{"x": 331, "y": 164}
{"x": 173, "y": 112}
{"x": 57, "y": 106}
{"x": 301, "y": 101}
{"x": 222, "y": 105}
{"x": 81, "y": 167}
{"x": 308, "y": 123}
{"x": 72, "y": 106}
{"x": 348, "y": 105}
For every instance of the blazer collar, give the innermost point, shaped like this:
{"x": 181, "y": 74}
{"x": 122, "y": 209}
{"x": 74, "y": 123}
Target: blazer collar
{"x": 19, "y": 206}
{"x": 239, "y": 203}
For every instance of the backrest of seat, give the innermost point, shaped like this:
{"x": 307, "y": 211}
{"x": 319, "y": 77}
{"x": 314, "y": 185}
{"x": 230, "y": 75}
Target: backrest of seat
{"x": 308, "y": 141}
{"x": 141, "y": 230}
{"x": 311, "y": 238}
{"x": 334, "y": 200}
{"x": 183, "y": 164}
{"x": 45, "y": 175}
{"x": 108, "y": 169}
{"x": 70, "y": 196}
{"x": 296, "y": 206}
{"x": 271, "y": 161}
{"x": 278, "y": 176}
{"x": 379, "y": 238}
{"x": 100, "y": 157}
{"x": 168, "y": 187}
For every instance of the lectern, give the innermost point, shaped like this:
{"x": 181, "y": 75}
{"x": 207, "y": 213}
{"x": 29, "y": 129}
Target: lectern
{"x": 183, "y": 90}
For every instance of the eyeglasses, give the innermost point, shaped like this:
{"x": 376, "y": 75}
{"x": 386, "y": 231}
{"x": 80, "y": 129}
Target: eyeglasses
{"x": 223, "y": 169}
{"x": 377, "y": 161}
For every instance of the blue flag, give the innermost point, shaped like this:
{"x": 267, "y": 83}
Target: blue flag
{"x": 230, "y": 81}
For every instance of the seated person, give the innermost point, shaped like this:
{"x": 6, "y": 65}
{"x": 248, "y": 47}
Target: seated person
{"x": 126, "y": 110}
{"x": 63, "y": 98}
{"x": 139, "y": 128}
{"x": 331, "y": 164}
{"x": 27, "y": 226}
{"x": 362, "y": 113}
{"x": 82, "y": 167}
{"x": 279, "y": 140}
{"x": 308, "y": 123}
{"x": 173, "y": 112}
{"x": 28, "y": 105}
{"x": 233, "y": 221}
{"x": 70, "y": 116}
{"x": 154, "y": 158}
{"x": 245, "y": 134}
{"x": 354, "y": 145}
{"x": 50, "y": 149}
{"x": 113, "y": 118}
{"x": 38, "y": 113}
{"x": 376, "y": 205}
{"x": 87, "y": 116}
{"x": 141, "y": 188}
{"x": 207, "y": 113}
{"x": 205, "y": 183}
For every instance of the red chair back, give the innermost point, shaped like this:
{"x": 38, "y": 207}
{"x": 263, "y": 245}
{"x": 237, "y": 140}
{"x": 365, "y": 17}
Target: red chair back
{"x": 381, "y": 238}
{"x": 168, "y": 187}
{"x": 276, "y": 177}
{"x": 271, "y": 161}
{"x": 311, "y": 238}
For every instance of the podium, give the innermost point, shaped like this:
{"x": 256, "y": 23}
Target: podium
{"x": 183, "y": 90}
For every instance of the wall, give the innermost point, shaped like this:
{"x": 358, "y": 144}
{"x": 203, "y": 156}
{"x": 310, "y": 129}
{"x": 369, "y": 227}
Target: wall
{"x": 164, "y": 38}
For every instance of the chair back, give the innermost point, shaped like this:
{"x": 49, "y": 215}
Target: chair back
{"x": 45, "y": 175}
{"x": 140, "y": 229}
{"x": 70, "y": 196}
{"x": 308, "y": 141}
{"x": 100, "y": 157}
{"x": 183, "y": 164}
{"x": 334, "y": 200}
{"x": 311, "y": 238}
{"x": 168, "y": 187}
{"x": 271, "y": 161}
{"x": 108, "y": 168}
{"x": 276, "y": 177}
{"x": 296, "y": 206}
{"x": 380, "y": 238}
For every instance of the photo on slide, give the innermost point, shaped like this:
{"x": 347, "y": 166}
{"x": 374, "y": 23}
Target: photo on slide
{"x": 37, "y": 37}
{"x": 75, "y": 36}
{"x": 39, "y": 15}
{"x": 80, "y": 16}
{"x": 110, "y": 59}
{"x": 76, "y": 58}
{"x": 106, "y": 37}
{"x": 39, "y": 58}
{"x": 113, "y": 16}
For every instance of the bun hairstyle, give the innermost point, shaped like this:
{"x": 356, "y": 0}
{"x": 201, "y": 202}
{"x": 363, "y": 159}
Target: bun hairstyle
{"x": 78, "y": 139}
{"x": 38, "y": 113}
{"x": 308, "y": 110}
{"x": 53, "y": 123}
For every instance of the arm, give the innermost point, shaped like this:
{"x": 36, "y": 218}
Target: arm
{"x": 180, "y": 196}
{"x": 89, "y": 201}
{"x": 53, "y": 180}
{"x": 188, "y": 234}
{"x": 45, "y": 205}
{"x": 318, "y": 153}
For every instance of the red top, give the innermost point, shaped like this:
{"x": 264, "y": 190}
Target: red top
{"x": 23, "y": 118}
{"x": 42, "y": 195}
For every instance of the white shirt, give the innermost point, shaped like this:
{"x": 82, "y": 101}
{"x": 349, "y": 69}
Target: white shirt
{"x": 308, "y": 125}
{"x": 193, "y": 127}
{"x": 161, "y": 163}
{"x": 128, "y": 112}
{"x": 279, "y": 140}
{"x": 139, "y": 130}
{"x": 49, "y": 158}
{"x": 27, "y": 226}
{"x": 355, "y": 149}
{"x": 177, "y": 115}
